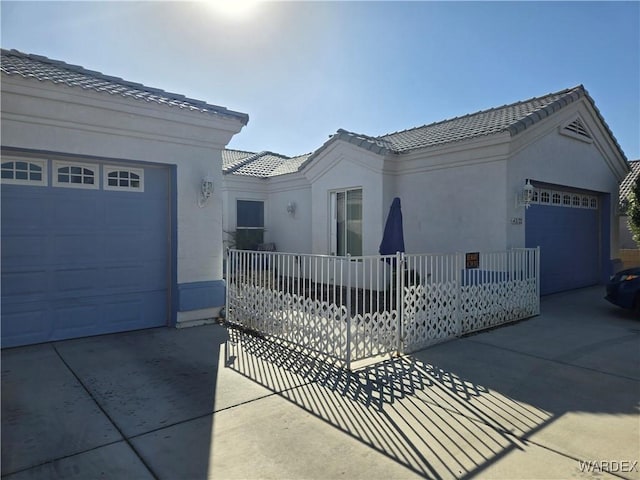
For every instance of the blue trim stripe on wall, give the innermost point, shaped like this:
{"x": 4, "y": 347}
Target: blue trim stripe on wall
{"x": 199, "y": 295}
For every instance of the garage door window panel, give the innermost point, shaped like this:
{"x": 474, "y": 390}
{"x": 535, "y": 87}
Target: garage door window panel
{"x": 76, "y": 175}
{"x": 24, "y": 172}
{"x": 544, "y": 197}
{"x": 124, "y": 179}
{"x": 564, "y": 199}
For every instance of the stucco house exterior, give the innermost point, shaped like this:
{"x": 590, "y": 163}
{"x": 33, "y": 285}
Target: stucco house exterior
{"x": 111, "y": 211}
{"x": 462, "y": 186}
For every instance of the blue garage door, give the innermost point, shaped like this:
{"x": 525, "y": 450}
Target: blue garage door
{"x": 85, "y": 249}
{"x": 566, "y": 227}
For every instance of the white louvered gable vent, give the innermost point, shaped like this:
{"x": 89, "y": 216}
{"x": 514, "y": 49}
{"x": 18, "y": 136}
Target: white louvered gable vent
{"x": 577, "y": 129}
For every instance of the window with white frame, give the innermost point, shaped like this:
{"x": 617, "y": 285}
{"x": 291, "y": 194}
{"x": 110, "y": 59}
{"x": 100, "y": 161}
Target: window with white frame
{"x": 249, "y": 224}
{"x": 24, "y": 172}
{"x": 346, "y": 223}
{"x": 123, "y": 178}
{"x": 75, "y": 175}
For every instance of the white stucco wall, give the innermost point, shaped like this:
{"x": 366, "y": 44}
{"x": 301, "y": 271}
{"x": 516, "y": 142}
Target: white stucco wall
{"x": 345, "y": 166}
{"x": 457, "y": 209}
{"x": 453, "y": 201}
{"x": 54, "y": 118}
{"x": 290, "y": 232}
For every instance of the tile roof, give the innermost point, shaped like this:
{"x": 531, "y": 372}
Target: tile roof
{"x": 374, "y": 144}
{"x": 291, "y": 165}
{"x": 627, "y": 183}
{"x": 512, "y": 118}
{"x": 45, "y": 69}
{"x": 233, "y": 158}
{"x": 261, "y": 164}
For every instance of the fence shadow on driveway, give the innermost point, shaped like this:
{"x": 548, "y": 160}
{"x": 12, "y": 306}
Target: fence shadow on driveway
{"x": 425, "y": 417}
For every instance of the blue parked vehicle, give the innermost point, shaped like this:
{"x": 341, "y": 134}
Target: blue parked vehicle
{"x": 623, "y": 289}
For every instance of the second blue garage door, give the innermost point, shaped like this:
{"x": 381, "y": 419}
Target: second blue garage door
{"x": 85, "y": 249}
{"x": 566, "y": 227}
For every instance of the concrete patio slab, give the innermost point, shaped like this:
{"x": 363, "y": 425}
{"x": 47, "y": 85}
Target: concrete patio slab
{"x": 150, "y": 379}
{"x": 534, "y": 462}
{"x": 270, "y": 439}
{"x": 578, "y": 412}
{"x": 586, "y": 331}
{"x": 448, "y": 411}
{"x": 46, "y": 414}
{"x": 530, "y": 400}
{"x": 113, "y": 461}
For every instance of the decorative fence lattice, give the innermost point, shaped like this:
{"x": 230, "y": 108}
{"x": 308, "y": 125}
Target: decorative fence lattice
{"x": 355, "y": 308}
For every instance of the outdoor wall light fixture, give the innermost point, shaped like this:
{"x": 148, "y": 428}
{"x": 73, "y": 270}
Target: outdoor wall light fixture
{"x": 523, "y": 199}
{"x": 206, "y": 190}
{"x": 291, "y": 208}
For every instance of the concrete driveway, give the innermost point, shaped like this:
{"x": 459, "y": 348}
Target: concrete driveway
{"x": 556, "y": 396}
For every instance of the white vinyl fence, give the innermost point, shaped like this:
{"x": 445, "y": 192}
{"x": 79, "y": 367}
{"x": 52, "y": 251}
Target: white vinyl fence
{"x": 353, "y": 308}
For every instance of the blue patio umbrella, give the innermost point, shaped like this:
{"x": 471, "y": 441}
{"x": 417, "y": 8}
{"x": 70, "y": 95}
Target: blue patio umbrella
{"x": 393, "y": 237}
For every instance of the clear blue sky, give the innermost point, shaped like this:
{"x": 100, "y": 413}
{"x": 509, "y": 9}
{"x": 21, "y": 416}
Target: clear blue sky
{"x": 302, "y": 70}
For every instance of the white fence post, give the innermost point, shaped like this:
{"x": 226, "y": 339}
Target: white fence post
{"x": 400, "y": 265}
{"x": 458, "y": 280}
{"x": 537, "y": 273}
{"x": 227, "y": 285}
{"x": 349, "y": 340}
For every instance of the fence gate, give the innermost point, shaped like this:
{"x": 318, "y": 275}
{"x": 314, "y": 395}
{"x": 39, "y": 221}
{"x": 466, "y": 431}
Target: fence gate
{"x": 348, "y": 309}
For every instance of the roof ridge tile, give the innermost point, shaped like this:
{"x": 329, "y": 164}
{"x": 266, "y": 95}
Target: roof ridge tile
{"x": 240, "y": 151}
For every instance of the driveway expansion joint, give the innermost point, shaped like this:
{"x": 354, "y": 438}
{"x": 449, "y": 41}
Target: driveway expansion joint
{"x": 105, "y": 413}
{"x": 63, "y": 457}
